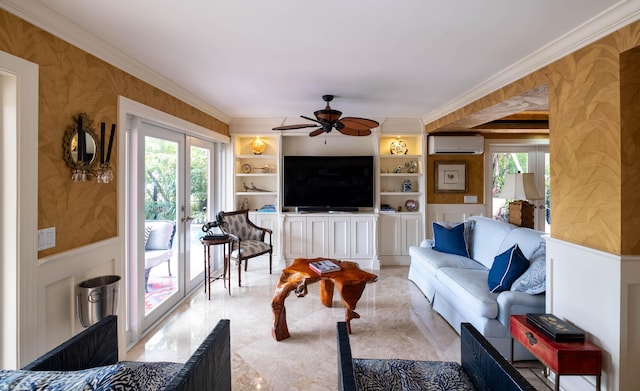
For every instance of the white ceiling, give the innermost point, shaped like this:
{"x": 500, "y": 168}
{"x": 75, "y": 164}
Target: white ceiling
{"x": 408, "y": 58}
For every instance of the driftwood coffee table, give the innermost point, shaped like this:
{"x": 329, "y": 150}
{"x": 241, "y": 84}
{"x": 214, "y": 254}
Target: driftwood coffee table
{"x": 350, "y": 281}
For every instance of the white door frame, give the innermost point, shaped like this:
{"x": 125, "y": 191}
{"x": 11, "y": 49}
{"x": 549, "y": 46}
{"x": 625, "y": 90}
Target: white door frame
{"x": 128, "y": 109}
{"x": 19, "y": 208}
{"x": 492, "y": 146}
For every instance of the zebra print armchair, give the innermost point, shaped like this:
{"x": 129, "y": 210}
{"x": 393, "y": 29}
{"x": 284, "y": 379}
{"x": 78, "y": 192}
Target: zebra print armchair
{"x": 250, "y": 239}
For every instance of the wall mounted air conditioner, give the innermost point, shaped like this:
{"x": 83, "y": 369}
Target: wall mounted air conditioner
{"x": 456, "y": 145}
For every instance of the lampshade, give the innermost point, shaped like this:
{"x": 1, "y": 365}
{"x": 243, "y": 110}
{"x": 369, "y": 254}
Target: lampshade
{"x": 521, "y": 186}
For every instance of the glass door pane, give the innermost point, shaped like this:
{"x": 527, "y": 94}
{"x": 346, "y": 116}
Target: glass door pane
{"x": 505, "y": 163}
{"x": 511, "y": 160}
{"x": 198, "y": 209}
{"x": 162, "y": 246}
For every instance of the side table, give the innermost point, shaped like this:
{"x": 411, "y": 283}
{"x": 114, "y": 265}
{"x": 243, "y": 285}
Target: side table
{"x": 226, "y": 250}
{"x": 563, "y": 358}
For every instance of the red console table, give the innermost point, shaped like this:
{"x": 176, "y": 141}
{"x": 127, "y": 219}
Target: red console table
{"x": 563, "y": 358}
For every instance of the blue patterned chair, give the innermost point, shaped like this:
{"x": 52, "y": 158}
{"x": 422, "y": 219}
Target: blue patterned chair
{"x": 481, "y": 368}
{"x": 89, "y": 361}
{"x": 250, "y": 239}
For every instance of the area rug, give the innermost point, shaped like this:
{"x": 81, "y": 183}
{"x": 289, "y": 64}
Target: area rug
{"x": 159, "y": 289}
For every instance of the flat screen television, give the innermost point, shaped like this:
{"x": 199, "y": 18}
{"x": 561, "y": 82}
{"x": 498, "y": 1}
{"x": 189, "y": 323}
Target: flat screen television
{"x": 328, "y": 183}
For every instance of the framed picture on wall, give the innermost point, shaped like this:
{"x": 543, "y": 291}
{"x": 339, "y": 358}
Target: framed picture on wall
{"x": 451, "y": 177}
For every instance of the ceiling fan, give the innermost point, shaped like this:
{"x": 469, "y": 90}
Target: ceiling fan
{"x": 329, "y": 119}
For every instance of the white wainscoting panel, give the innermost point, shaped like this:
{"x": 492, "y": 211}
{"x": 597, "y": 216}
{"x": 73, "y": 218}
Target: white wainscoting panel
{"x": 56, "y": 279}
{"x": 598, "y": 292}
{"x": 451, "y": 212}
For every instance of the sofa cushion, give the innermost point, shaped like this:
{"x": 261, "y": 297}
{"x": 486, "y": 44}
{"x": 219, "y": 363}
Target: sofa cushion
{"x": 434, "y": 260}
{"x": 410, "y": 375}
{"x": 506, "y": 268}
{"x": 468, "y": 288}
{"x": 450, "y": 240}
{"x": 533, "y": 280}
{"x": 527, "y": 239}
{"x": 488, "y": 235}
{"x": 121, "y": 376}
{"x": 161, "y": 235}
{"x": 249, "y": 248}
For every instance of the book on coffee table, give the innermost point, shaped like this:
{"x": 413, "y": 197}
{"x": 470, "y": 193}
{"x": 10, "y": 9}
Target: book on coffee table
{"x": 323, "y": 267}
{"x": 556, "y": 328}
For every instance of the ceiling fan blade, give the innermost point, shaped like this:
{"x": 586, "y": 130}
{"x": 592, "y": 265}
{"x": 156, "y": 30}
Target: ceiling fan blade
{"x": 316, "y": 132}
{"x": 310, "y": 119}
{"x": 359, "y": 123}
{"x": 354, "y": 132}
{"x": 299, "y": 126}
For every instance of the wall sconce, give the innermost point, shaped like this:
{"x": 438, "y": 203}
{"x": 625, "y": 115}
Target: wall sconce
{"x": 519, "y": 188}
{"x": 258, "y": 146}
{"x": 81, "y": 146}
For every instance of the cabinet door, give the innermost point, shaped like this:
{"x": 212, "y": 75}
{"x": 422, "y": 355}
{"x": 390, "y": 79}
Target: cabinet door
{"x": 317, "y": 239}
{"x": 411, "y": 232}
{"x": 270, "y": 221}
{"x": 339, "y": 237}
{"x": 295, "y": 232}
{"x": 390, "y": 237}
{"x": 362, "y": 237}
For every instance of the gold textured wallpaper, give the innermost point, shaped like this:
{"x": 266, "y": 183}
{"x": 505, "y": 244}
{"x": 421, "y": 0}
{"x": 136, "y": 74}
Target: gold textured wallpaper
{"x": 73, "y": 81}
{"x": 594, "y": 139}
{"x": 475, "y": 179}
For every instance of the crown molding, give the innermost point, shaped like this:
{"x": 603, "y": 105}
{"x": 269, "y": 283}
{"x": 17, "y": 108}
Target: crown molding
{"x": 55, "y": 23}
{"x": 601, "y": 25}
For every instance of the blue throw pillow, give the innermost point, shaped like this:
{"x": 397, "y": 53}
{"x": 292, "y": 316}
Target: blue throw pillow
{"x": 450, "y": 240}
{"x": 506, "y": 268}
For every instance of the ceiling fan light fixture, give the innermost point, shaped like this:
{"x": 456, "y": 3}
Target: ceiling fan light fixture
{"x": 328, "y": 115}
{"x": 328, "y": 119}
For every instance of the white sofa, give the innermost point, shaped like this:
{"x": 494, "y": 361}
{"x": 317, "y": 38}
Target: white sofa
{"x": 457, "y": 285}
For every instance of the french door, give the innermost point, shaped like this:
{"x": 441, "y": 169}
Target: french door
{"x": 170, "y": 185}
{"x": 511, "y": 159}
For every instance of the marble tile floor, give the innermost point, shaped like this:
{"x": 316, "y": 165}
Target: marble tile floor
{"x": 396, "y": 322}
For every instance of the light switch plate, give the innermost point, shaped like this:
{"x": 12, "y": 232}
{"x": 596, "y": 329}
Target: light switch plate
{"x": 470, "y": 199}
{"x": 46, "y": 238}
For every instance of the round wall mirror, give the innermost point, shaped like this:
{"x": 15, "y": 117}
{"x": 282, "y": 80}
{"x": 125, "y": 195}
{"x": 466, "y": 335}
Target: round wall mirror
{"x": 81, "y": 148}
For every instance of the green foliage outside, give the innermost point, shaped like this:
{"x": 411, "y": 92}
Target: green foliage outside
{"x": 512, "y": 163}
{"x": 161, "y": 181}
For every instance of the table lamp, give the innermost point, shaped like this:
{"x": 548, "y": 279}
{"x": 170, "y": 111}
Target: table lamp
{"x": 519, "y": 188}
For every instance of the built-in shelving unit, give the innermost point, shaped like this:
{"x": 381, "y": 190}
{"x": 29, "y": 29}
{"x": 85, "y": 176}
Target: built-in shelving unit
{"x": 256, "y": 178}
{"x": 401, "y": 186}
{"x": 397, "y": 169}
{"x": 372, "y": 236}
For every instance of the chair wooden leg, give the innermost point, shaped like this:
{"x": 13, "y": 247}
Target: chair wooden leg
{"x": 269, "y": 263}
{"x": 246, "y": 262}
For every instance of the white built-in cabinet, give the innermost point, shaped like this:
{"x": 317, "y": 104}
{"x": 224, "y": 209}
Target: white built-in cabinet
{"x": 397, "y": 233}
{"x": 382, "y": 237}
{"x": 268, "y": 220}
{"x": 347, "y": 236}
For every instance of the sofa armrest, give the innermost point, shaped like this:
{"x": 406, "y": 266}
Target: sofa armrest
{"x": 513, "y": 303}
{"x": 427, "y": 243}
{"x": 346, "y": 376}
{"x": 93, "y": 347}
{"x": 209, "y": 368}
{"x": 485, "y": 366}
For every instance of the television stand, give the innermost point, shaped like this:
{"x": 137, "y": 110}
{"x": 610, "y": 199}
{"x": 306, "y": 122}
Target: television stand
{"x": 325, "y": 209}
